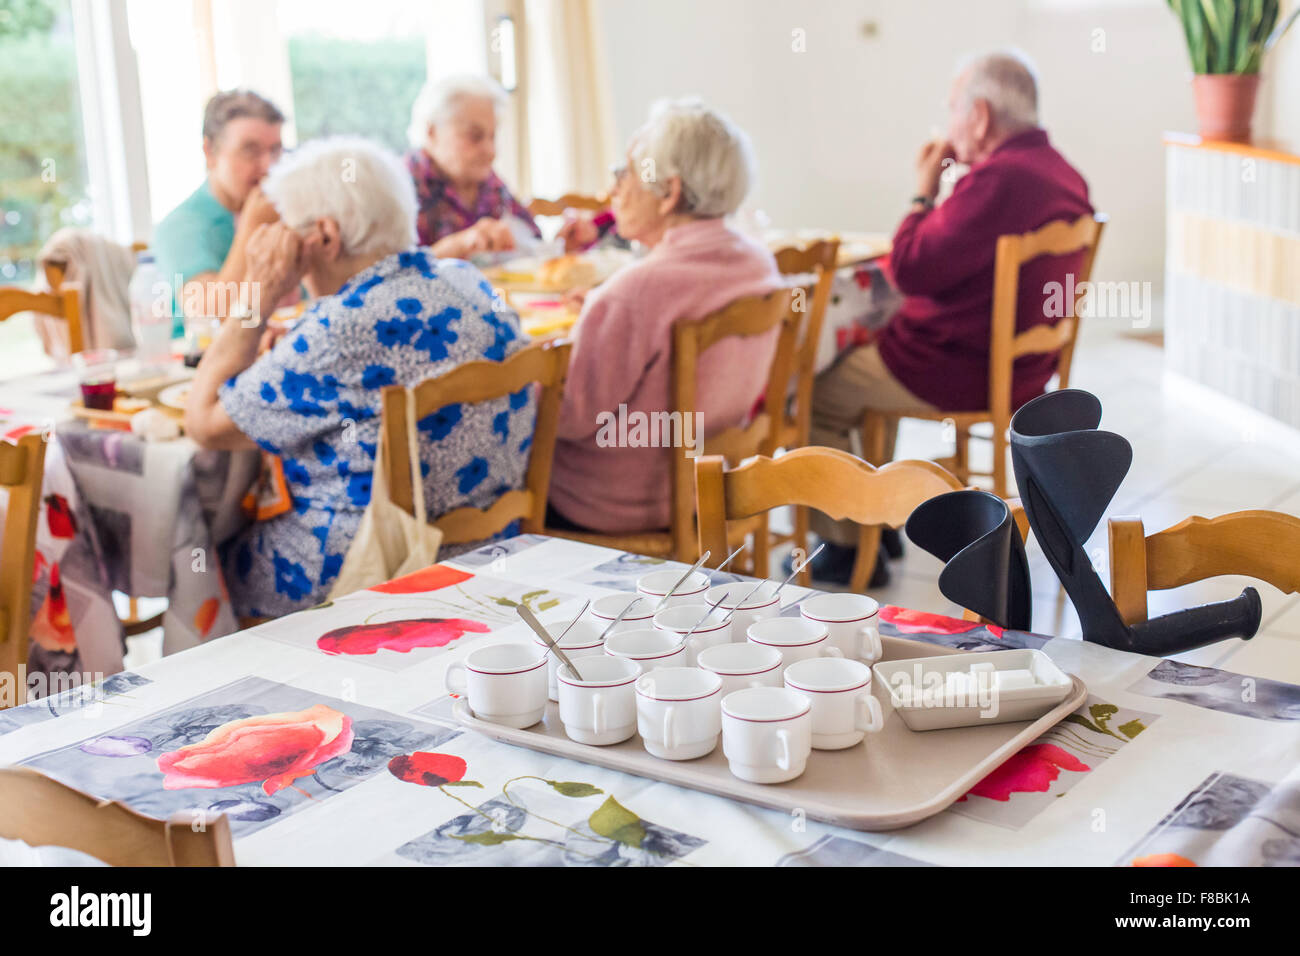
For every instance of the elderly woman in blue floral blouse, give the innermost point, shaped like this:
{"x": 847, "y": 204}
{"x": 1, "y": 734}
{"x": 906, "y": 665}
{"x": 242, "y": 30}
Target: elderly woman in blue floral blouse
{"x": 387, "y": 312}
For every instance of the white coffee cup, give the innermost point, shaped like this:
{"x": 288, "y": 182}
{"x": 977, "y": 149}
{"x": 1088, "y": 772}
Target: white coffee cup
{"x": 657, "y": 583}
{"x": 583, "y": 640}
{"x": 504, "y": 683}
{"x": 796, "y": 638}
{"x": 649, "y": 647}
{"x": 852, "y": 622}
{"x": 599, "y": 709}
{"x": 677, "y": 712}
{"x": 743, "y": 665}
{"x": 843, "y": 708}
{"x": 759, "y": 606}
{"x": 605, "y": 611}
{"x": 715, "y": 630}
{"x": 767, "y": 733}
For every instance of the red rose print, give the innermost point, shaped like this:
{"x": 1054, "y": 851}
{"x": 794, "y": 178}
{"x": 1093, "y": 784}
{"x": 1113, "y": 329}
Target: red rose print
{"x": 920, "y": 622}
{"x": 1163, "y": 859}
{"x": 274, "y": 748}
{"x": 1030, "y": 770}
{"x": 59, "y": 518}
{"x": 400, "y": 636}
{"x": 429, "y": 579}
{"x": 427, "y": 769}
{"x": 52, "y": 626}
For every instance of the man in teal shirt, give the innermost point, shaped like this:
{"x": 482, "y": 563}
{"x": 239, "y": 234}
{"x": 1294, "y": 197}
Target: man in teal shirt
{"x": 201, "y": 242}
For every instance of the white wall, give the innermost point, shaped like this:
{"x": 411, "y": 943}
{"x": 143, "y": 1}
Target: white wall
{"x": 1280, "y": 88}
{"x": 837, "y": 127}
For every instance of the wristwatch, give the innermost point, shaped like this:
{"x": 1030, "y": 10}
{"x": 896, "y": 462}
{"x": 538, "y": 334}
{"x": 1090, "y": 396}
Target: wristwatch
{"x": 925, "y": 201}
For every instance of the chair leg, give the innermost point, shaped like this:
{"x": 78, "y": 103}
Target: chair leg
{"x": 865, "y": 563}
{"x": 961, "y": 456}
{"x": 801, "y": 542}
{"x": 999, "y": 461}
{"x": 875, "y": 428}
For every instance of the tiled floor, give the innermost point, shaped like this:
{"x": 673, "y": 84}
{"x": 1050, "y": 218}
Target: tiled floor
{"x": 1187, "y": 460}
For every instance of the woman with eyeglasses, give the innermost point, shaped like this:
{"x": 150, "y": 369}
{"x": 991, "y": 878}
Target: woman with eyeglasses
{"x": 687, "y": 168}
{"x": 202, "y": 240}
{"x": 464, "y": 207}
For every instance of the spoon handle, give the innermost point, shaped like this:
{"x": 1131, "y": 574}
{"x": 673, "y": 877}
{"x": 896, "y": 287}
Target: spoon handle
{"x": 531, "y": 620}
{"x": 689, "y": 571}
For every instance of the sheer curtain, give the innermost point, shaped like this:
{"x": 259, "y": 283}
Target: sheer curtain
{"x": 570, "y": 115}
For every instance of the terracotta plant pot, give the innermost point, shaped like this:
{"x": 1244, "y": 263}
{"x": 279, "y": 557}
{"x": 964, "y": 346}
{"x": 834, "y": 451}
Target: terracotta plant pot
{"x": 1225, "y": 104}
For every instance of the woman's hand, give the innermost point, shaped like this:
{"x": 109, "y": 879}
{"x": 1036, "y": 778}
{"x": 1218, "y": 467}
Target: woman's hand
{"x": 257, "y": 210}
{"x": 273, "y": 264}
{"x": 930, "y": 165}
{"x": 578, "y": 232}
{"x": 486, "y": 235}
{"x": 495, "y": 234}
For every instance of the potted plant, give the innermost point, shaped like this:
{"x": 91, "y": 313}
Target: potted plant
{"x": 1226, "y": 40}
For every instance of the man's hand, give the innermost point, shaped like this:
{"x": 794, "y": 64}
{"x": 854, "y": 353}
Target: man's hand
{"x": 578, "y": 232}
{"x": 257, "y": 210}
{"x": 930, "y": 166}
{"x": 273, "y": 263}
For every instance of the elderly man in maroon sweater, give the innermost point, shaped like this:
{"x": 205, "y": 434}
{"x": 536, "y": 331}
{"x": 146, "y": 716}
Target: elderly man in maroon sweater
{"x": 934, "y": 352}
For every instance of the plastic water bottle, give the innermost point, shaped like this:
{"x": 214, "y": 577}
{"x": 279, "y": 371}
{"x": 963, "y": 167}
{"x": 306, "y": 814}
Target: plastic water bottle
{"x": 151, "y": 311}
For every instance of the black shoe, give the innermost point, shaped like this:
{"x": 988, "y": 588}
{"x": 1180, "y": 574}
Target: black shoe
{"x": 835, "y": 566}
{"x": 892, "y": 541}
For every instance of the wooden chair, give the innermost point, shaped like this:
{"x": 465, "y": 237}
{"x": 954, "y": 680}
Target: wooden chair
{"x": 834, "y": 482}
{"x": 545, "y": 363}
{"x": 41, "y": 811}
{"x": 744, "y": 318}
{"x": 1054, "y": 239}
{"x": 64, "y": 304}
{"x": 795, "y": 427}
{"x": 1260, "y": 544}
{"x": 556, "y": 207}
{"x": 22, "y": 467}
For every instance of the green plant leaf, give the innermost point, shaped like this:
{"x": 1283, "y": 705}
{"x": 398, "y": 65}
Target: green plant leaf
{"x": 616, "y": 822}
{"x": 1132, "y": 728}
{"x": 1083, "y": 721}
{"x": 463, "y": 783}
{"x": 505, "y": 602}
{"x": 547, "y": 605}
{"x": 531, "y": 595}
{"x": 572, "y": 789}
{"x": 1103, "y": 712}
{"x": 488, "y": 838}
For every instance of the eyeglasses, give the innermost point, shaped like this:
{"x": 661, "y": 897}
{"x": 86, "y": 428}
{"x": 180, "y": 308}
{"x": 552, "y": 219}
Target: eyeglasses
{"x": 618, "y": 171}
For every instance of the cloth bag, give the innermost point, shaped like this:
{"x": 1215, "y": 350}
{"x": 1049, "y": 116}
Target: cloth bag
{"x": 389, "y": 541}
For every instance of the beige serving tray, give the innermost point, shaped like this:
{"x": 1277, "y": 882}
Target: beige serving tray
{"x": 896, "y": 778}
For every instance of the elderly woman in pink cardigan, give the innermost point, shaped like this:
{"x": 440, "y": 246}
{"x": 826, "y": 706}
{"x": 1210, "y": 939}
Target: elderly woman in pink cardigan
{"x": 687, "y": 168}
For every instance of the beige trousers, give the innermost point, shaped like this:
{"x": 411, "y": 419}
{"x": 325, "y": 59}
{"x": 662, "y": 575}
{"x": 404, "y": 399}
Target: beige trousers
{"x": 841, "y": 396}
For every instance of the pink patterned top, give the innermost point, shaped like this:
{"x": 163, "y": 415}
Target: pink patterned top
{"x": 441, "y": 211}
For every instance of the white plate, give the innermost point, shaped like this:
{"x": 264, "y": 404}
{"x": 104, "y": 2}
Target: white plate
{"x": 175, "y": 396}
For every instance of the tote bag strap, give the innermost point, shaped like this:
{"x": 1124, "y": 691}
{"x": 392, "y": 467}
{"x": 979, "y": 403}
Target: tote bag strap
{"x": 413, "y": 452}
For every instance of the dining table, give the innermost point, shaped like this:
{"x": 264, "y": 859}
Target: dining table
{"x": 361, "y": 759}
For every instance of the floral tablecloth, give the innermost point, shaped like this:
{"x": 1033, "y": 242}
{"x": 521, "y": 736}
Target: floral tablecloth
{"x": 119, "y": 513}
{"x": 1164, "y": 763}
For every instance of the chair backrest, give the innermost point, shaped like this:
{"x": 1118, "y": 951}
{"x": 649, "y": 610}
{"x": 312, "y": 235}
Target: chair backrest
{"x": 21, "y": 470}
{"x": 832, "y": 481}
{"x": 556, "y": 207}
{"x": 64, "y": 304}
{"x": 1259, "y": 544}
{"x": 1055, "y": 239}
{"x": 819, "y": 259}
{"x": 754, "y": 315}
{"x": 544, "y": 363}
{"x": 41, "y": 811}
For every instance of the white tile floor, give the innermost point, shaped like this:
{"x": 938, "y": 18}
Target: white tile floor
{"x": 1186, "y": 461}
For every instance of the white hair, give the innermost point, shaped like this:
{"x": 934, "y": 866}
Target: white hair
{"x": 438, "y": 100}
{"x": 712, "y": 155}
{"x": 356, "y": 182}
{"x": 1008, "y": 81}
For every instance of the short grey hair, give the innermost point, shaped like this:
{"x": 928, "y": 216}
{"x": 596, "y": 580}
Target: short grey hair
{"x": 233, "y": 105}
{"x": 437, "y": 101}
{"x": 358, "y": 183}
{"x": 1008, "y": 81}
{"x": 712, "y": 155}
